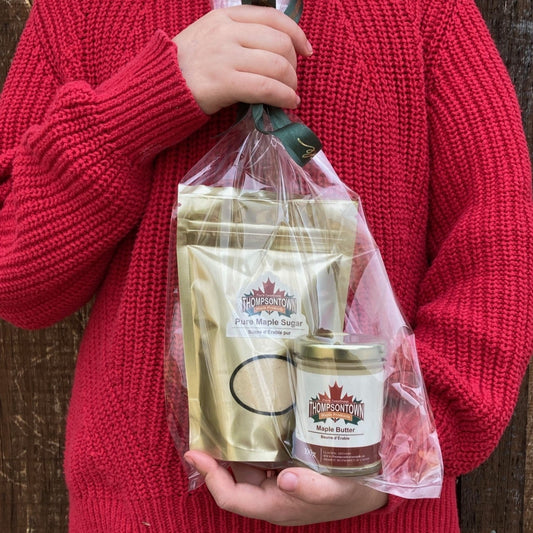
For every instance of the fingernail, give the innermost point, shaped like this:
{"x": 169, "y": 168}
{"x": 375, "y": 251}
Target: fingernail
{"x": 287, "y": 481}
{"x": 189, "y": 461}
{"x": 309, "y": 48}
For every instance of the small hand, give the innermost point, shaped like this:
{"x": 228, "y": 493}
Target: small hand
{"x": 296, "y": 496}
{"x": 242, "y": 54}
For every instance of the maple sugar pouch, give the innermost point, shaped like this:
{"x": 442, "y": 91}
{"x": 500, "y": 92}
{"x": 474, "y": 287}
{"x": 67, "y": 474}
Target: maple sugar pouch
{"x": 253, "y": 277}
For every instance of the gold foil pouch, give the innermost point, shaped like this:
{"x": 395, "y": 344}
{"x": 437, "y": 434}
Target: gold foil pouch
{"x": 247, "y": 289}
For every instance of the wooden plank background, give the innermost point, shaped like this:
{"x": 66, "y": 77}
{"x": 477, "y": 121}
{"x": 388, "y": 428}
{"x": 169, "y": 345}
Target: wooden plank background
{"x": 36, "y": 367}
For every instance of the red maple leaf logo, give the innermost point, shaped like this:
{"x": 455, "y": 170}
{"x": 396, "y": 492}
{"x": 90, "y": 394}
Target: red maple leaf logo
{"x": 268, "y": 289}
{"x": 335, "y": 395}
{"x": 268, "y": 299}
{"x": 336, "y": 406}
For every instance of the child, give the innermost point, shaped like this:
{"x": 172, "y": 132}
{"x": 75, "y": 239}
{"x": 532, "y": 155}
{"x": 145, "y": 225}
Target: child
{"x": 108, "y": 105}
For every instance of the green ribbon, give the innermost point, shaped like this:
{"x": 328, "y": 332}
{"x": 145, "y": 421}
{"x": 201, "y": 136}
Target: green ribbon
{"x": 299, "y": 141}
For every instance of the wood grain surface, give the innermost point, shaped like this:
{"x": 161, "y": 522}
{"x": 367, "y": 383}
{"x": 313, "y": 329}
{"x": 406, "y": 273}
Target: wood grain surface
{"x": 36, "y": 368}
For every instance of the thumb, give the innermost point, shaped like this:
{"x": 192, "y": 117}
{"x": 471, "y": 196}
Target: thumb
{"x": 311, "y": 487}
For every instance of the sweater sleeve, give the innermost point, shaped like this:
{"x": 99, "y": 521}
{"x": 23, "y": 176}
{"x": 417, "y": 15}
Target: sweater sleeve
{"x": 75, "y": 169}
{"x": 473, "y": 327}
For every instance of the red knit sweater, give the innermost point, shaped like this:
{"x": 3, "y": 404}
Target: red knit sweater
{"x": 415, "y": 111}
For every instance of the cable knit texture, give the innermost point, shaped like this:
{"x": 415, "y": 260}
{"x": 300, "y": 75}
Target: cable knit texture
{"x": 415, "y": 111}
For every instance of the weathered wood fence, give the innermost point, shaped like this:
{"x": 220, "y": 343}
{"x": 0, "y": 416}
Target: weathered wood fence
{"x": 36, "y": 367}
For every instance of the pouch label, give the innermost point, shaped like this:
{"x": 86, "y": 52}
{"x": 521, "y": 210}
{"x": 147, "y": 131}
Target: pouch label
{"x": 267, "y": 308}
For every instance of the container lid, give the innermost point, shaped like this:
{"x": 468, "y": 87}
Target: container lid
{"x": 340, "y": 347}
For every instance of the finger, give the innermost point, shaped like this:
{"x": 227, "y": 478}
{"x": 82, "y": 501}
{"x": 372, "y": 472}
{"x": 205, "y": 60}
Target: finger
{"x": 275, "y": 19}
{"x": 244, "y": 473}
{"x": 209, "y": 468}
{"x": 268, "y": 65}
{"x": 252, "y": 88}
{"x": 219, "y": 481}
{"x": 314, "y": 488}
{"x": 261, "y": 37}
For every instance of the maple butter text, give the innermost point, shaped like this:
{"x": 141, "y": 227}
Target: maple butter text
{"x": 337, "y": 429}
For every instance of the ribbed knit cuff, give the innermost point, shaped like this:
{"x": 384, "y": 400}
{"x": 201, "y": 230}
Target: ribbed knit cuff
{"x": 147, "y": 104}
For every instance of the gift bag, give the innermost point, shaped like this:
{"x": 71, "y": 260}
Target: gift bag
{"x": 285, "y": 344}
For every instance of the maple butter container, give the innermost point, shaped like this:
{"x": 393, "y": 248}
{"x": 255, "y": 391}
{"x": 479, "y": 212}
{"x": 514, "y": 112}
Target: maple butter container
{"x": 339, "y": 403}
